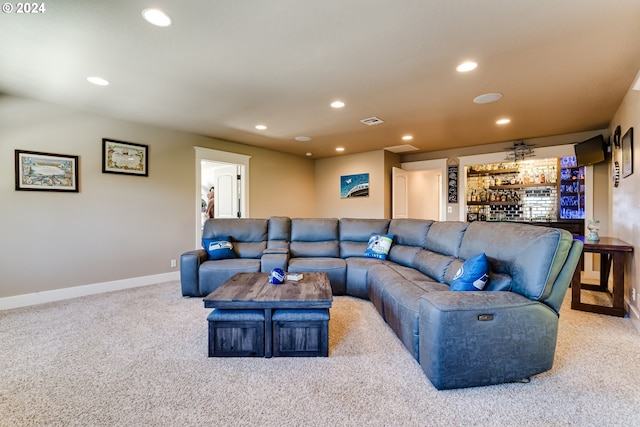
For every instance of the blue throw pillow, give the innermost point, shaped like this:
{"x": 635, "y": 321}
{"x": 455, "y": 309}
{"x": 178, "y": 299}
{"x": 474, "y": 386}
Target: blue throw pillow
{"x": 219, "y": 248}
{"x": 379, "y": 246}
{"x": 473, "y": 275}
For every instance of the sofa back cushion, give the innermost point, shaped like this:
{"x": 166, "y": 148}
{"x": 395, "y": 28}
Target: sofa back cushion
{"x": 279, "y": 232}
{"x": 532, "y": 256}
{"x": 433, "y": 264}
{"x": 314, "y": 237}
{"x": 445, "y": 237}
{"x": 355, "y": 234}
{"x": 410, "y": 237}
{"x": 248, "y": 235}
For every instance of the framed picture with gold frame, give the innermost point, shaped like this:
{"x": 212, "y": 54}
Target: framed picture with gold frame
{"x": 125, "y": 157}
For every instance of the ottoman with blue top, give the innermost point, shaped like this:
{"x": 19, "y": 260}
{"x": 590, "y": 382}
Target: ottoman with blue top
{"x": 301, "y": 333}
{"x": 236, "y": 333}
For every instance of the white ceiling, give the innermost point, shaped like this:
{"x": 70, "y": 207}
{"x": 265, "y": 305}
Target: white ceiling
{"x": 226, "y": 65}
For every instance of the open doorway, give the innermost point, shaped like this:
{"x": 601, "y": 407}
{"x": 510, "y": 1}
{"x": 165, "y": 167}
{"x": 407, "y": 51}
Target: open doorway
{"x": 417, "y": 194}
{"x": 220, "y": 189}
{"x": 228, "y": 174}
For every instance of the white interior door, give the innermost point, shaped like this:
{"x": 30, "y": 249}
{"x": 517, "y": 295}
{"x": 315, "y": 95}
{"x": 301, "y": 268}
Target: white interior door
{"x": 226, "y": 192}
{"x": 400, "y": 193}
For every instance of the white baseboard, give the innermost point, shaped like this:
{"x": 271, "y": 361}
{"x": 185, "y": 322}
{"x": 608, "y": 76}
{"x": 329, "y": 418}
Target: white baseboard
{"x": 80, "y": 291}
{"x": 634, "y": 315}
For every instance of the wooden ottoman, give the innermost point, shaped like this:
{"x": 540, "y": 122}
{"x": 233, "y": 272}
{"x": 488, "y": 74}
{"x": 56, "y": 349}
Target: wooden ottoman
{"x": 236, "y": 333}
{"x": 300, "y": 332}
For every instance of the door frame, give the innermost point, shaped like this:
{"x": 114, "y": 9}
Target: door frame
{"x": 220, "y": 157}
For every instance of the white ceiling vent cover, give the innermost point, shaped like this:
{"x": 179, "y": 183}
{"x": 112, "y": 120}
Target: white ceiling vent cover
{"x": 372, "y": 121}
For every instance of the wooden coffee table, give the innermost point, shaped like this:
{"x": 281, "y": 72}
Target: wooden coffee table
{"x": 253, "y": 291}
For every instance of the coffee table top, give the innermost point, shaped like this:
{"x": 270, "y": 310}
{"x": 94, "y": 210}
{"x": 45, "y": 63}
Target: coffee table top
{"x": 253, "y": 290}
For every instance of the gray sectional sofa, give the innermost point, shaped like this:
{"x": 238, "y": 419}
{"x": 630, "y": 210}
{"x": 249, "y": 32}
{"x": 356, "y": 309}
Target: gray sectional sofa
{"x": 507, "y": 332}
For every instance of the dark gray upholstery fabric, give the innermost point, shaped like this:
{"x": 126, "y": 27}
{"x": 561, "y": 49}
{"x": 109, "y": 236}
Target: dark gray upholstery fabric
{"x": 433, "y": 264}
{"x": 336, "y": 269}
{"x": 355, "y": 233}
{"x": 314, "y": 229}
{"x": 403, "y": 254}
{"x": 240, "y": 229}
{"x": 471, "y": 339}
{"x": 359, "y": 230}
{"x": 293, "y": 315}
{"x": 279, "y": 232}
{"x": 533, "y": 256}
{"x": 357, "y": 271}
{"x": 224, "y": 315}
{"x": 461, "y": 339}
{"x": 314, "y": 237}
{"x": 445, "y": 237}
{"x": 410, "y": 232}
{"x": 215, "y": 273}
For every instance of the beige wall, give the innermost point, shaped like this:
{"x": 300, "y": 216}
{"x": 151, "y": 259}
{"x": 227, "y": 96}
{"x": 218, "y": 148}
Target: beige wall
{"x": 117, "y": 227}
{"x": 624, "y": 202}
{"x": 121, "y": 227}
{"x": 328, "y": 173}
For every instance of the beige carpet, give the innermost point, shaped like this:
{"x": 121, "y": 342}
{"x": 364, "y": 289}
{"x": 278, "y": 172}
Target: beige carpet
{"x": 139, "y": 358}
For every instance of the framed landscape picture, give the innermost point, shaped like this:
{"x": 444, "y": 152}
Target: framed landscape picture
{"x": 125, "y": 157}
{"x": 627, "y": 153}
{"x": 37, "y": 171}
{"x": 354, "y": 185}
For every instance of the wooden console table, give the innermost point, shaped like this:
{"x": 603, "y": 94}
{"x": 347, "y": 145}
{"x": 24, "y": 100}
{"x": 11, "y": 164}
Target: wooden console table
{"x": 612, "y": 257}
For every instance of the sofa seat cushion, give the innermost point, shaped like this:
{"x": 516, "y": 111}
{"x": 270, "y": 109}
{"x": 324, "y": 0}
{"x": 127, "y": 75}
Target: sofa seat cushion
{"x": 336, "y": 269}
{"x": 408, "y": 273}
{"x": 396, "y": 299}
{"x": 215, "y": 273}
{"x": 357, "y": 271}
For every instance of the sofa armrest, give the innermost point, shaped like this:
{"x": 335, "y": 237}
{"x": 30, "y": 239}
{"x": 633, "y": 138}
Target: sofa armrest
{"x": 274, "y": 258}
{"x": 478, "y": 338}
{"x": 189, "y": 268}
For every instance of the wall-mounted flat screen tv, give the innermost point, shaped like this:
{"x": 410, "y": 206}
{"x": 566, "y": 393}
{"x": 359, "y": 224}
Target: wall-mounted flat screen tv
{"x": 591, "y": 151}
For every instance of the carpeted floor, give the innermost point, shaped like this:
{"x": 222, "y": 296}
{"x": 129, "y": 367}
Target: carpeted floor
{"x": 139, "y": 358}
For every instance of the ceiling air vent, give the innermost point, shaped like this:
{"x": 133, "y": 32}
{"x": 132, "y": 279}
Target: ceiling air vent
{"x": 372, "y": 121}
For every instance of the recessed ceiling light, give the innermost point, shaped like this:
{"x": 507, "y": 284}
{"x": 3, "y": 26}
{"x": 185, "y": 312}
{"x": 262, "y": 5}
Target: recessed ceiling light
{"x": 407, "y": 138}
{"x": 261, "y": 127}
{"x": 337, "y": 104}
{"x": 503, "y": 121}
{"x": 340, "y": 149}
{"x": 156, "y": 17}
{"x": 466, "y": 66}
{"x": 98, "y": 81}
{"x": 309, "y": 154}
{"x": 302, "y": 138}
{"x": 487, "y": 98}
